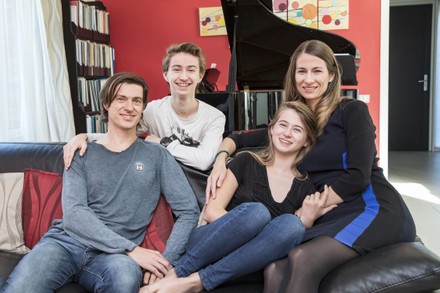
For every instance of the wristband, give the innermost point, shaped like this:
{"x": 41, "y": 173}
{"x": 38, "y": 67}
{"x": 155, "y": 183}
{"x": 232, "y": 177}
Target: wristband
{"x": 219, "y": 152}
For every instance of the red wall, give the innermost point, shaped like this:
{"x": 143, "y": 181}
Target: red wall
{"x": 142, "y": 29}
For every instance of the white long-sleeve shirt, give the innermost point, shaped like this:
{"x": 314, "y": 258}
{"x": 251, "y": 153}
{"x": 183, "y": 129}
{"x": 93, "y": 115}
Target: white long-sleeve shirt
{"x": 198, "y": 137}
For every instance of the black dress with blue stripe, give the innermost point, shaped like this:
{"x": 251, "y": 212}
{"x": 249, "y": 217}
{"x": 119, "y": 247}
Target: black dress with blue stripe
{"x": 373, "y": 213}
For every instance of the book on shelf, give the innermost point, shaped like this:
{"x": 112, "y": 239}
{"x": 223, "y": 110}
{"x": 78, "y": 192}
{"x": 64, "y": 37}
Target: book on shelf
{"x": 88, "y": 94}
{"x": 94, "y": 59}
{"x": 90, "y": 22}
{"x": 74, "y": 12}
{"x": 95, "y": 124}
{"x": 89, "y": 42}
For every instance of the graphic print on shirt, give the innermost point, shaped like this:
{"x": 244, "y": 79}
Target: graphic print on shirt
{"x": 183, "y": 137}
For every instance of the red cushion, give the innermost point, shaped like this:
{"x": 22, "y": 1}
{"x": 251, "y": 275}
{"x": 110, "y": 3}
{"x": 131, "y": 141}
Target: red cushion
{"x": 41, "y": 203}
{"x": 160, "y": 227}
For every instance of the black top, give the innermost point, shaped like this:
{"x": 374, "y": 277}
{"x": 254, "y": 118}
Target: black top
{"x": 253, "y": 186}
{"x": 373, "y": 213}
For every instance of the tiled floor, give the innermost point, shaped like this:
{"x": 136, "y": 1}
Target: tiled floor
{"x": 417, "y": 176}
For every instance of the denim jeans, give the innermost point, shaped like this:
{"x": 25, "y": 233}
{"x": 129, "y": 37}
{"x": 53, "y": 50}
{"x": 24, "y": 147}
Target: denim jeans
{"x": 59, "y": 259}
{"x": 242, "y": 241}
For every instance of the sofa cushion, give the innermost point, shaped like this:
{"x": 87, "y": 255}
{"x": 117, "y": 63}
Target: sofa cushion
{"x": 399, "y": 268}
{"x": 8, "y": 262}
{"x": 160, "y": 227}
{"x": 41, "y": 203}
{"x": 11, "y": 231}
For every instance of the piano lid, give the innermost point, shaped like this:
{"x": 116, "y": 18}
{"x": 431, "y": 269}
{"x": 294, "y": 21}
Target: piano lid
{"x": 265, "y": 42}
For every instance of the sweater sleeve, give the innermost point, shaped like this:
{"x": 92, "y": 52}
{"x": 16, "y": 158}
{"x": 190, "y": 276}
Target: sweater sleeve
{"x": 202, "y": 156}
{"x": 78, "y": 218}
{"x": 181, "y": 198}
{"x": 247, "y": 139}
{"x": 361, "y": 150}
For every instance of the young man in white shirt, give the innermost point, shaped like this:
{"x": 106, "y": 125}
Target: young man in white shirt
{"x": 190, "y": 129}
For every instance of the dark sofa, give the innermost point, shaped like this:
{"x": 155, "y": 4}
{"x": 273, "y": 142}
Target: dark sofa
{"x": 406, "y": 267}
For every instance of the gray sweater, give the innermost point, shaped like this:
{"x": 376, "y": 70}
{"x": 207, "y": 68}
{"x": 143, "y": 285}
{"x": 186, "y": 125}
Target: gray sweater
{"x": 109, "y": 197}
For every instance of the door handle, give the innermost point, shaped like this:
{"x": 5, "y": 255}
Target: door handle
{"x": 425, "y": 82}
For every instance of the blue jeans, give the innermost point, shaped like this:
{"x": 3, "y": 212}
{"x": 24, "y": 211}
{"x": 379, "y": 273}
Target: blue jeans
{"x": 59, "y": 259}
{"x": 243, "y": 241}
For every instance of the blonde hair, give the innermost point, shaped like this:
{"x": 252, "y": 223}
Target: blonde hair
{"x": 332, "y": 96}
{"x": 266, "y": 156}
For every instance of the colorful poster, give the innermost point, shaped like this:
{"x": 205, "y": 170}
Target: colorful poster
{"x": 333, "y": 14}
{"x": 299, "y": 12}
{"x": 279, "y": 8}
{"x": 304, "y": 13}
{"x": 212, "y": 21}
{"x": 318, "y": 14}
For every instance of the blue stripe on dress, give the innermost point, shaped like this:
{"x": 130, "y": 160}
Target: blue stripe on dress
{"x": 353, "y": 230}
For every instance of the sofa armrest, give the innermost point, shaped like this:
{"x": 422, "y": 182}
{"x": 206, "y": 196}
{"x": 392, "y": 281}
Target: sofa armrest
{"x": 403, "y": 268}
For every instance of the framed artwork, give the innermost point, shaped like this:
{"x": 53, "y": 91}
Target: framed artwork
{"x": 318, "y": 14}
{"x": 212, "y": 21}
{"x": 333, "y": 14}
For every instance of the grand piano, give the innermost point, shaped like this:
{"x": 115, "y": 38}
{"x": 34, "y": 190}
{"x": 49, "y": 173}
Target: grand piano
{"x": 261, "y": 44}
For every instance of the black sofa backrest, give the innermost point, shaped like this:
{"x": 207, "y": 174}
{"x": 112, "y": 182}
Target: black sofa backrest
{"x": 49, "y": 157}
{"x": 40, "y": 156}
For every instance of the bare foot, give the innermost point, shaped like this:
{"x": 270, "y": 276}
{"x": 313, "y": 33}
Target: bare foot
{"x": 190, "y": 284}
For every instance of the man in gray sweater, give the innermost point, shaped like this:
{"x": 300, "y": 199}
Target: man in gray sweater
{"x": 109, "y": 196}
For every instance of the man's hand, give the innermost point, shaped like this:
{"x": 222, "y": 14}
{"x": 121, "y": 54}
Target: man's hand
{"x": 215, "y": 179}
{"x": 78, "y": 142}
{"x": 151, "y": 260}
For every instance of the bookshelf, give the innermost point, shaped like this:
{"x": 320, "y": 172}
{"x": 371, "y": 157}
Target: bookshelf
{"x": 90, "y": 59}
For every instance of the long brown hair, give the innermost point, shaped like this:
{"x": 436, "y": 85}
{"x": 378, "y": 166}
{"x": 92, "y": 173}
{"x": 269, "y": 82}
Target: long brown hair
{"x": 266, "y": 156}
{"x": 332, "y": 96}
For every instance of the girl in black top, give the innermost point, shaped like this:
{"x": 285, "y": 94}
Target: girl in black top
{"x": 252, "y": 221}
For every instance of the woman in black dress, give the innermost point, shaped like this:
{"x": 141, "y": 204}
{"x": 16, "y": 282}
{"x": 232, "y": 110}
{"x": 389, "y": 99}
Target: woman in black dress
{"x": 370, "y": 213}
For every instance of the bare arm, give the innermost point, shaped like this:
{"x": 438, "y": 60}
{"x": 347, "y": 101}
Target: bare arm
{"x": 218, "y": 173}
{"x": 216, "y": 207}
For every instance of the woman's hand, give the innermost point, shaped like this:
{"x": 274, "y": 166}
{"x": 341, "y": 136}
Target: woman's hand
{"x": 314, "y": 206}
{"x": 78, "y": 142}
